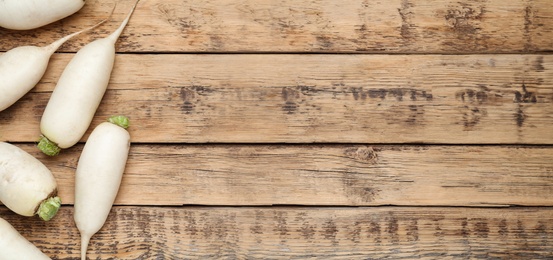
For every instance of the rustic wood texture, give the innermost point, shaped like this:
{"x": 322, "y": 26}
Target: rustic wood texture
{"x": 281, "y": 129}
{"x": 300, "y": 233}
{"x": 345, "y": 175}
{"x": 392, "y": 26}
{"x": 497, "y": 99}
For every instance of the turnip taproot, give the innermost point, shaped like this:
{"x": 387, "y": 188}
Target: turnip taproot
{"x": 27, "y": 187}
{"x": 98, "y": 176}
{"x": 78, "y": 93}
{"x": 31, "y": 14}
{"x": 13, "y": 246}
{"x": 21, "y": 68}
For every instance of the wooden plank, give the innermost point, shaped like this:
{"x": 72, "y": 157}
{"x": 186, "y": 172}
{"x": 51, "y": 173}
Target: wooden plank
{"x": 349, "y": 175}
{"x": 299, "y": 233}
{"x": 494, "y": 99}
{"x": 393, "y": 26}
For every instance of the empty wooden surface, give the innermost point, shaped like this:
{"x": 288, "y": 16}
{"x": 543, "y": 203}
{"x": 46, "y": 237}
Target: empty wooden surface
{"x": 279, "y": 129}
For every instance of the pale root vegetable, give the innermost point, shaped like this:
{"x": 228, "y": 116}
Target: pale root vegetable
{"x": 78, "y": 93}
{"x": 31, "y": 14}
{"x": 98, "y": 176}
{"x": 13, "y": 246}
{"x": 22, "y": 68}
{"x": 27, "y": 187}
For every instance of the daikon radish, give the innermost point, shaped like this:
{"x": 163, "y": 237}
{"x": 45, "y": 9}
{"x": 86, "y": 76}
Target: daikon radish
{"x": 78, "y": 93}
{"x": 22, "y": 68}
{"x": 31, "y": 14}
{"x": 27, "y": 187}
{"x": 13, "y": 246}
{"x": 98, "y": 176}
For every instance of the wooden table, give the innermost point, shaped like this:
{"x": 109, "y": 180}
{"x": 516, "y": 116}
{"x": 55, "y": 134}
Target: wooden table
{"x": 313, "y": 129}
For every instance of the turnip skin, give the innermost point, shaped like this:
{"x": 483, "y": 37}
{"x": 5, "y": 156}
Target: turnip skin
{"x": 13, "y": 246}
{"x": 78, "y": 93}
{"x": 32, "y": 14}
{"x": 27, "y": 187}
{"x": 21, "y": 68}
{"x": 98, "y": 176}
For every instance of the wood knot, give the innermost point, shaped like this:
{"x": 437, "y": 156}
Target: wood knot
{"x": 363, "y": 154}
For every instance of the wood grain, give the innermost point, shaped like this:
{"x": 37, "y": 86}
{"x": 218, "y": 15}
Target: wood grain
{"x": 497, "y": 99}
{"x": 347, "y": 175}
{"x": 360, "y": 26}
{"x": 281, "y": 129}
{"x": 299, "y": 233}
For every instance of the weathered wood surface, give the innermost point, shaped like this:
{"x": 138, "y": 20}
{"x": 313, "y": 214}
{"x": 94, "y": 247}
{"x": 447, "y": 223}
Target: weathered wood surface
{"x": 370, "y": 113}
{"x": 344, "y": 175}
{"x": 497, "y": 99}
{"x": 299, "y": 233}
{"x": 392, "y": 26}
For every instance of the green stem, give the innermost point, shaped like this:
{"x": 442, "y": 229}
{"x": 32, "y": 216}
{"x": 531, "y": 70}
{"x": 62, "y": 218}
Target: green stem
{"x": 48, "y": 147}
{"x": 121, "y": 121}
{"x": 49, "y": 208}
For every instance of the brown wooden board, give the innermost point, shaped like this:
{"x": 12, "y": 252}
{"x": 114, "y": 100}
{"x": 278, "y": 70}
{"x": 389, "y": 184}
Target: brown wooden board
{"x": 464, "y": 99}
{"x": 359, "y": 26}
{"x": 300, "y": 233}
{"x": 346, "y": 175}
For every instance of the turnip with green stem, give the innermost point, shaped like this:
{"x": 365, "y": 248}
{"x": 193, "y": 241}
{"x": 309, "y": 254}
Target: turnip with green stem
{"x": 13, "y": 246}
{"x": 21, "y": 68}
{"x": 31, "y": 14}
{"x": 78, "y": 93}
{"x": 98, "y": 176}
{"x": 27, "y": 187}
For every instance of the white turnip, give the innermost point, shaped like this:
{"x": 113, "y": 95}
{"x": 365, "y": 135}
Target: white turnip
{"x": 27, "y": 187}
{"x": 98, "y": 176}
{"x": 13, "y": 246}
{"x": 22, "y": 68}
{"x": 31, "y": 14}
{"x": 78, "y": 93}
